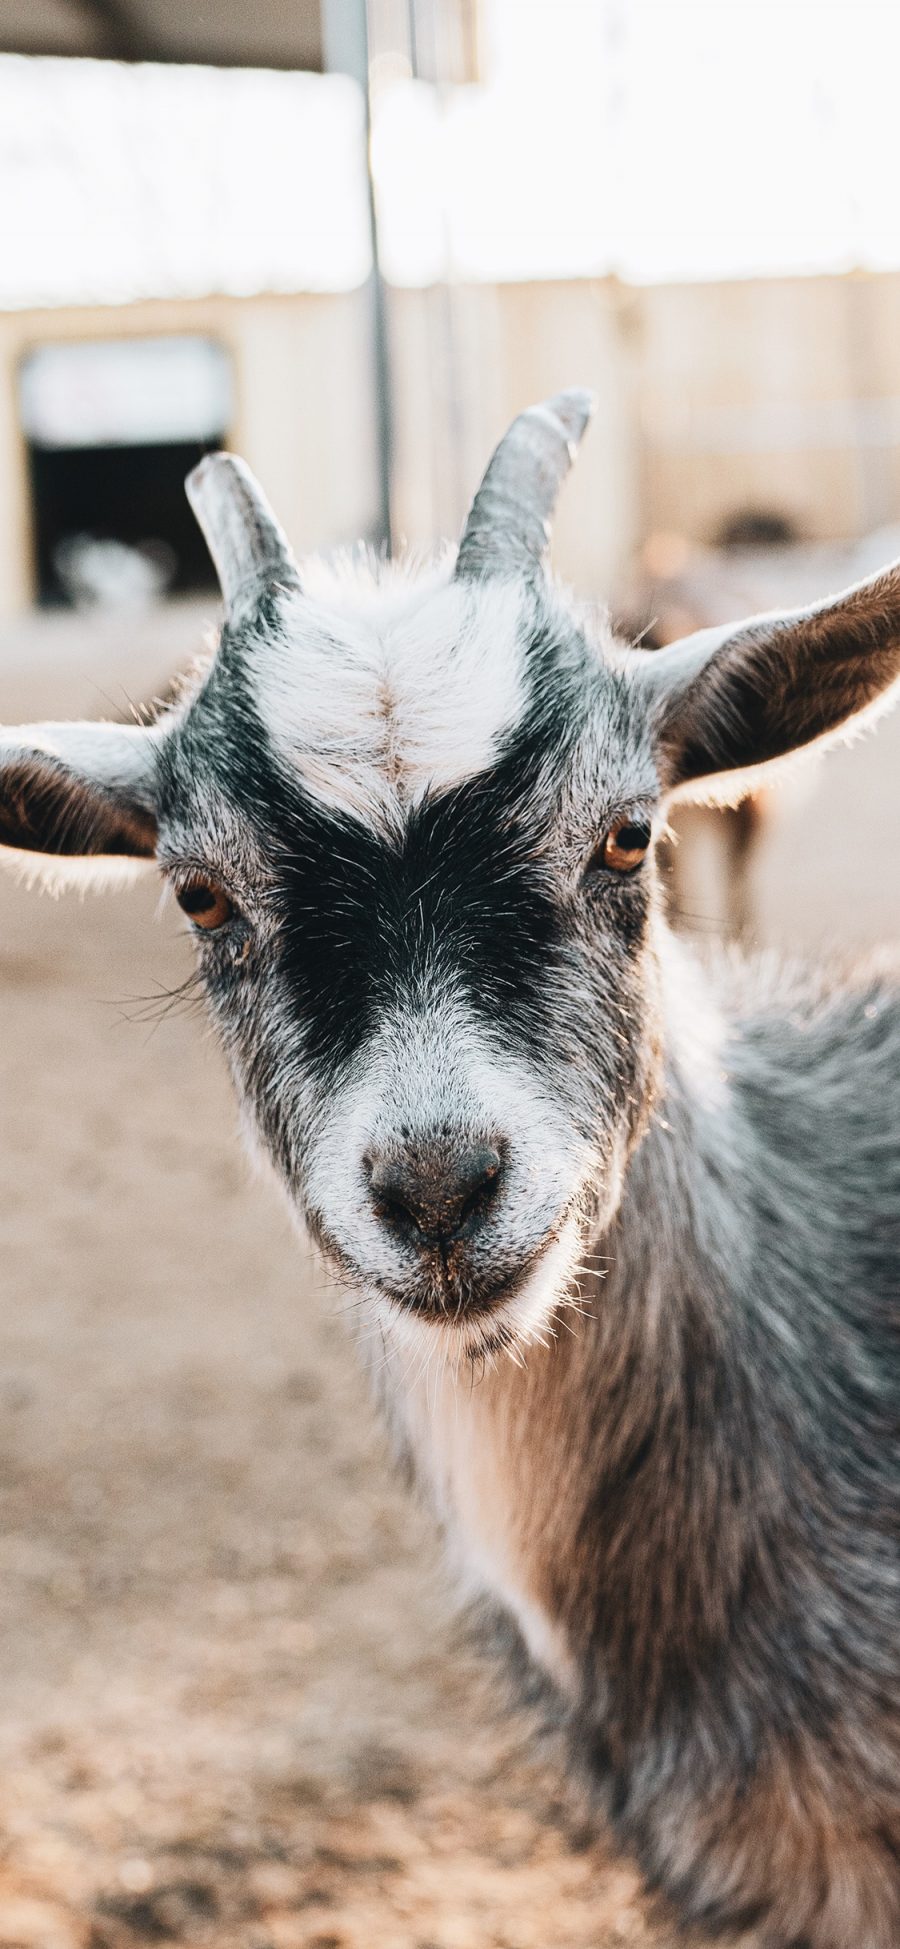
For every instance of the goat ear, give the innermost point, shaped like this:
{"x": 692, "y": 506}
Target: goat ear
{"x": 82, "y": 791}
{"x": 729, "y": 700}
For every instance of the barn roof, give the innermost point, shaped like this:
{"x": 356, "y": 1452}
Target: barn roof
{"x": 268, "y": 34}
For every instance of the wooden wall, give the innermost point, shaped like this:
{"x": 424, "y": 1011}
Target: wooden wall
{"x": 778, "y": 393}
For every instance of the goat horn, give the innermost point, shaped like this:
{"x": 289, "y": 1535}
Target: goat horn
{"x": 508, "y": 528}
{"x": 249, "y": 548}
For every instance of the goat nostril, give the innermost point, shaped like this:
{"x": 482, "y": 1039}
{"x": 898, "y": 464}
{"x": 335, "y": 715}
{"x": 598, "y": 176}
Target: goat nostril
{"x": 392, "y": 1187}
{"x": 397, "y": 1215}
{"x": 482, "y": 1180}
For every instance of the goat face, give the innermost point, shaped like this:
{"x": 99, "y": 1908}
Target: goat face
{"x": 422, "y": 834}
{"x": 410, "y": 822}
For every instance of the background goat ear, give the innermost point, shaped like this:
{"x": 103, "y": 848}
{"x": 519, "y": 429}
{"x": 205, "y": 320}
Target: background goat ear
{"x": 728, "y": 700}
{"x": 78, "y": 790}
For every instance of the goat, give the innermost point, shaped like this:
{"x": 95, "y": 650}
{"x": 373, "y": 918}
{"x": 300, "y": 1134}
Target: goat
{"x": 411, "y": 819}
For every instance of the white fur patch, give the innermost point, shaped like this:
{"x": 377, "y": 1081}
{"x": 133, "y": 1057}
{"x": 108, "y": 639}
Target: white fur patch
{"x": 455, "y": 1433}
{"x": 408, "y": 690}
{"x": 426, "y": 1067}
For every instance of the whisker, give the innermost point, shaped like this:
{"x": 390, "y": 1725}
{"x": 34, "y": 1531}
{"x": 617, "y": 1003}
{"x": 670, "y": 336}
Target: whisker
{"x": 185, "y": 997}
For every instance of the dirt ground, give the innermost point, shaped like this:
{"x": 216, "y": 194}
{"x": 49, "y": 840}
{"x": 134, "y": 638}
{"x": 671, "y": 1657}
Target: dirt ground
{"x": 235, "y": 1709}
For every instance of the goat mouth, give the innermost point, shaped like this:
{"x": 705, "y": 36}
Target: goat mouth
{"x": 507, "y": 1312}
{"x": 460, "y": 1302}
{"x": 458, "y": 1299}
{"x": 455, "y": 1301}
{"x": 442, "y": 1296}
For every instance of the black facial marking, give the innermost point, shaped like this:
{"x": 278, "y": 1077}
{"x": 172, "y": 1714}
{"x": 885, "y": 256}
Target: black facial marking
{"x": 459, "y": 894}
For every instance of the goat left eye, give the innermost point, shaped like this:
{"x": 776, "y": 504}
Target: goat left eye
{"x": 206, "y": 904}
{"x": 625, "y": 846}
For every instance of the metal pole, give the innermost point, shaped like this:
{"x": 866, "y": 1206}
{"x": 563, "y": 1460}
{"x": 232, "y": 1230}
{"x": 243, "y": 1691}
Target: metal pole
{"x": 345, "y": 35}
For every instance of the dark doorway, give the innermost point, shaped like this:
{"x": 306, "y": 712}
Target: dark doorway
{"x": 131, "y": 494}
{"x": 113, "y": 426}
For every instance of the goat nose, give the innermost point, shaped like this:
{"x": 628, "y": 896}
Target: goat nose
{"x": 437, "y": 1193}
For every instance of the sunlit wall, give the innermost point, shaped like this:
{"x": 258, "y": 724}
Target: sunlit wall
{"x": 661, "y": 141}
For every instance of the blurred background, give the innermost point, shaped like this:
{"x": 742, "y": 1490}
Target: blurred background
{"x": 350, "y": 241}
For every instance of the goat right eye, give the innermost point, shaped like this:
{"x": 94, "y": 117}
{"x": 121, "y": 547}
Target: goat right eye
{"x": 622, "y": 851}
{"x": 206, "y": 904}
{"x": 626, "y": 845}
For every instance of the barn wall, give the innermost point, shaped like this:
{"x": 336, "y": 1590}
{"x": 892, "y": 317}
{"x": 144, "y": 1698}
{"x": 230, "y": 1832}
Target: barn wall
{"x": 515, "y": 343}
{"x": 780, "y": 392}
{"x": 302, "y": 414}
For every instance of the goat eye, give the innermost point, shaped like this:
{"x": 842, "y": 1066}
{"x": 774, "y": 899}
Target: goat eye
{"x": 206, "y": 904}
{"x": 624, "y": 847}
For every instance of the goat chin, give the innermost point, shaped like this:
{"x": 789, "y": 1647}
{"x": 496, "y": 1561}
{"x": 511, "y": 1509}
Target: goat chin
{"x": 517, "y": 1322}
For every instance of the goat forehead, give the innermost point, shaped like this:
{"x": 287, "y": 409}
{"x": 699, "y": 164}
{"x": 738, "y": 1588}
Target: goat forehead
{"x": 373, "y": 709}
{"x": 477, "y": 714}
